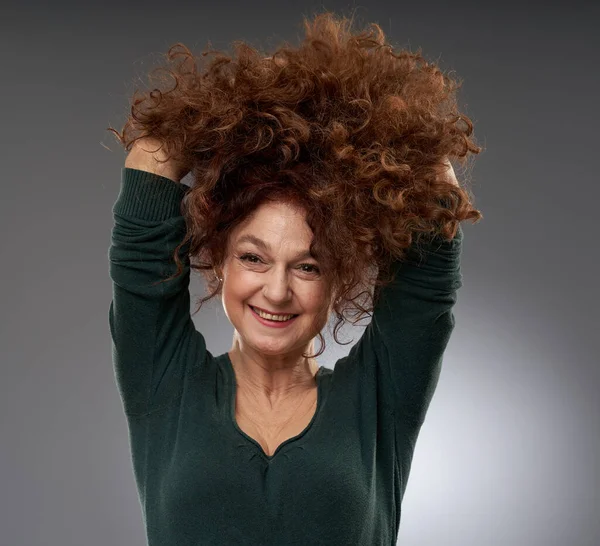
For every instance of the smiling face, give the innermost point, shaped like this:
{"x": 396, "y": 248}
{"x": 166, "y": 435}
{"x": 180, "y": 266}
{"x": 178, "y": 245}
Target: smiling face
{"x": 268, "y": 267}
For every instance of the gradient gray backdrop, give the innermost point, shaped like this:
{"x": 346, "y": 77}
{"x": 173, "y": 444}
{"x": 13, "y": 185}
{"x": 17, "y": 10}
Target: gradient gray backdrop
{"x": 509, "y": 453}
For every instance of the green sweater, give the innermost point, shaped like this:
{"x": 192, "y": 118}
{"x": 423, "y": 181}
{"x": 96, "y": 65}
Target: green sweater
{"x": 201, "y": 480}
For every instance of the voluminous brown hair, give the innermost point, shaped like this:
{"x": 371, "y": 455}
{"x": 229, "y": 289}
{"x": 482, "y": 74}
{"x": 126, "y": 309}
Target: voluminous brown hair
{"x": 343, "y": 125}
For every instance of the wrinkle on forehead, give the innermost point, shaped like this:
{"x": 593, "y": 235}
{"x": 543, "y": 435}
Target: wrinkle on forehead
{"x": 285, "y": 222}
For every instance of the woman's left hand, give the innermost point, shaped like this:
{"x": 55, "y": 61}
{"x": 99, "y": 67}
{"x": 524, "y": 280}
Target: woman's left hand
{"x": 449, "y": 175}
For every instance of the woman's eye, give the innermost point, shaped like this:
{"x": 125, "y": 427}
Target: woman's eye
{"x": 250, "y": 258}
{"x": 314, "y": 268}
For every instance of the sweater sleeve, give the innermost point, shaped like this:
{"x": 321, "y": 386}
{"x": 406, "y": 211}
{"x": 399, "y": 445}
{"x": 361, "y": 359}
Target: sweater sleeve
{"x": 412, "y": 322}
{"x": 153, "y": 335}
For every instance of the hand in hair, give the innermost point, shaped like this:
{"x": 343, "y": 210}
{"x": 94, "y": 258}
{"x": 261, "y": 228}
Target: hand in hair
{"x": 450, "y": 175}
{"x": 147, "y": 154}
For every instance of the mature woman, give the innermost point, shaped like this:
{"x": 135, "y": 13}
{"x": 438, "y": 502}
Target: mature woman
{"x": 322, "y": 185}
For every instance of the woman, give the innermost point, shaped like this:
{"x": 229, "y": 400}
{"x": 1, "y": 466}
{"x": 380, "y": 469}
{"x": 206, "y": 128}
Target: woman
{"x": 322, "y": 184}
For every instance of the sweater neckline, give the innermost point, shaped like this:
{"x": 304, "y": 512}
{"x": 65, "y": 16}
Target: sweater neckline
{"x": 232, "y": 398}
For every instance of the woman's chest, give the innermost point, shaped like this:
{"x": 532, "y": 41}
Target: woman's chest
{"x": 270, "y": 428}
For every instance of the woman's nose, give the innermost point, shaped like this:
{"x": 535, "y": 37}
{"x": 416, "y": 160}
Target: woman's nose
{"x": 277, "y": 286}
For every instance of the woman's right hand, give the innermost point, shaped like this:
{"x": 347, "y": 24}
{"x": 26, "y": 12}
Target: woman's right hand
{"x": 144, "y": 155}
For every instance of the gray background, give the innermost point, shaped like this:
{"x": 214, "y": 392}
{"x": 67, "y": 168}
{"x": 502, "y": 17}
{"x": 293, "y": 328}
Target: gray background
{"x": 510, "y": 450}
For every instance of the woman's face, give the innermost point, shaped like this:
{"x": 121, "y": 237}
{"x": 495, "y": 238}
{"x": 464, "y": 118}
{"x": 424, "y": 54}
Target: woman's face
{"x": 278, "y": 276}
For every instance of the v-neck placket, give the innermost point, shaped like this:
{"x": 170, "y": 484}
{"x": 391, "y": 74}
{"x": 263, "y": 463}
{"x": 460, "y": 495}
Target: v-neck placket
{"x": 232, "y": 392}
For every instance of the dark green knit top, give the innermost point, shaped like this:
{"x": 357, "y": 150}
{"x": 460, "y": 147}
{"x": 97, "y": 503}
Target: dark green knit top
{"x": 201, "y": 480}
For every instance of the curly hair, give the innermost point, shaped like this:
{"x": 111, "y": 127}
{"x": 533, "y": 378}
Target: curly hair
{"x": 357, "y": 134}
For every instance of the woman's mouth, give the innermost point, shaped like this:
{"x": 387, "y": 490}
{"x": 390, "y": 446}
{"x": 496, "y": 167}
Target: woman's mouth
{"x": 273, "y": 323}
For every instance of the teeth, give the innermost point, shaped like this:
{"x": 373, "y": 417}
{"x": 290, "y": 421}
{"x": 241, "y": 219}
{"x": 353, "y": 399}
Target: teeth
{"x": 279, "y": 318}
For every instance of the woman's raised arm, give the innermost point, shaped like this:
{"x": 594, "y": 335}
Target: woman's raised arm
{"x": 151, "y": 328}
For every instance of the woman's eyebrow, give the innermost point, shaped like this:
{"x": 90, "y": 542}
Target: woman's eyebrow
{"x": 249, "y": 238}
